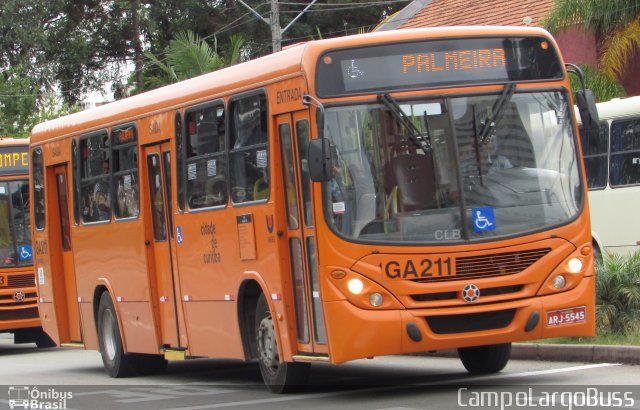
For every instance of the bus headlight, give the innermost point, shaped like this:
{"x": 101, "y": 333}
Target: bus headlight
{"x": 355, "y": 286}
{"x": 559, "y": 282}
{"x": 568, "y": 274}
{"x": 360, "y": 291}
{"x": 376, "y": 299}
{"x": 574, "y": 265}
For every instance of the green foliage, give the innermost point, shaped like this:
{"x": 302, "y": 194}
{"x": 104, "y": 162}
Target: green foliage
{"x": 618, "y": 295}
{"x": 615, "y": 22}
{"x": 603, "y": 16}
{"x": 603, "y": 87}
{"x": 188, "y": 56}
{"x": 17, "y": 102}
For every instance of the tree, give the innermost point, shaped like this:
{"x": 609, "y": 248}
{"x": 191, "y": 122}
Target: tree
{"x": 17, "y": 102}
{"x": 615, "y": 22}
{"x": 188, "y": 56}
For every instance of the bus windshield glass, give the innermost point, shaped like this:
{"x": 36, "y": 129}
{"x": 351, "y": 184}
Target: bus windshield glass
{"x": 15, "y": 226}
{"x": 468, "y": 184}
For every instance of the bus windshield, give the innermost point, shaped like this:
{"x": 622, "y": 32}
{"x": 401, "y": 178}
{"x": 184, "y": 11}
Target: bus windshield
{"x": 495, "y": 166}
{"x": 15, "y": 226}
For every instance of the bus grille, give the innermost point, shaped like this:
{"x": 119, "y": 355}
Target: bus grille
{"x": 21, "y": 281}
{"x": 496, "y": 264}
{"x": 440, "y": 296}
{"x": 472, "y": 322}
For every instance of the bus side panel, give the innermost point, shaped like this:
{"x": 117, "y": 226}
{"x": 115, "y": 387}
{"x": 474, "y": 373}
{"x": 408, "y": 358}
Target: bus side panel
{"x": 219, "y": 335}
{"x": 88, "y": 326}
{"x": 138, "y": 325}
{"x": 116, "y": 253}
{"x": 49, "y": 321}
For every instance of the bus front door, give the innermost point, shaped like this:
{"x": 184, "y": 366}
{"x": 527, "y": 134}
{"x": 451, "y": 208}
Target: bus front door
{"x": 162, "y": 273}
{"x": 65, "y": 266}
{"x": 293, "y": 133}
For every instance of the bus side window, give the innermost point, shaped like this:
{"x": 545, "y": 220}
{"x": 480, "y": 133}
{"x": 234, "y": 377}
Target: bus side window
{"x": 249, "y": 150}
{"x": 625, "y": 152}
{"x": 179, "y": 159}
{"x": 95, "y": 184}
{"x": 595, "y": 157}
{"x": 37, "y": 165}
{"x": 125, "y": 171}
{"x": 205, "y": 156}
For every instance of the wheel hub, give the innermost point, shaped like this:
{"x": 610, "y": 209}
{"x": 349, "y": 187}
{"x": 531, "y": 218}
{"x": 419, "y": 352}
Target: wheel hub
{"x": 267, "y": 343}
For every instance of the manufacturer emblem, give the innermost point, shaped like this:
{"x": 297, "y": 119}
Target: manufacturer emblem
{"x": 470, "y": 293}
{"x": 19, "y": 296}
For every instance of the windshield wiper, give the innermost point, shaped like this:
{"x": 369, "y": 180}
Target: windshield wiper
{"x": 422, "y": 141}
{"x": 489, "y": 124}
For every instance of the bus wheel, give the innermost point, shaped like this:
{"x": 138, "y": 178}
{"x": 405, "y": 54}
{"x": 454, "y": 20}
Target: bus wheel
{"x": 485, "y": 359}
{"x": 280, "y": 377}
{"x": 116, "y": 362}
{"x": 43, "y": 340}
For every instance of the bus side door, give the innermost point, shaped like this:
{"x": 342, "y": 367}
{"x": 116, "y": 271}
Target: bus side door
{"x": 293, "y": 135}
{"x": 157, "y": 164}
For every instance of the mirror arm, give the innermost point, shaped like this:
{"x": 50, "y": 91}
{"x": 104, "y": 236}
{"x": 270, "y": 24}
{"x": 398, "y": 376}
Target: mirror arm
{"x": 574, "y": 69}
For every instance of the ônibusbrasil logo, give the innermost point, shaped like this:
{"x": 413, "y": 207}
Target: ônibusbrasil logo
{"x": 32, "y": 398}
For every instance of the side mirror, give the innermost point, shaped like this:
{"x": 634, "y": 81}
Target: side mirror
{"x": 586, "y": 103}
{"x": 319, "y": 156}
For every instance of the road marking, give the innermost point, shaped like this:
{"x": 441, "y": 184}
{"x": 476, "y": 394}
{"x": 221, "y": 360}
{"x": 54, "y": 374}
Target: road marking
{"x": 391, "y": 388}
{"x": 553, "y": 371}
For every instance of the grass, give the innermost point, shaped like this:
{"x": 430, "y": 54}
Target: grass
{"x": 610, "y": 339}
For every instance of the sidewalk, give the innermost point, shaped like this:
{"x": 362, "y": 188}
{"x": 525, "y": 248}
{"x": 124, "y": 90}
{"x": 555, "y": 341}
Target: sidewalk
{"x": 568, "y": 353}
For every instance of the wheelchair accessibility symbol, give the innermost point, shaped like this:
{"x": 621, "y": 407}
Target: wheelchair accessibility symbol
{"x": 25, "y": 253}
{"x": 483, "y": 219}
{"x": 179, "y": 238}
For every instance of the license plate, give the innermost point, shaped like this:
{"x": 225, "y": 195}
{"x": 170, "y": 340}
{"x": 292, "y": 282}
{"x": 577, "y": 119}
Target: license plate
{"x": 567, "y": 316}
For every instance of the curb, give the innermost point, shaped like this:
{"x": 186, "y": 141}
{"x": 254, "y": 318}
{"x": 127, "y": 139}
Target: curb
{"x": 567, "y": 353}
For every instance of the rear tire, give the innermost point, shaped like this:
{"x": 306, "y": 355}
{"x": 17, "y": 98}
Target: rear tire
{"x": 280, "y": 377}
{"x": 485, "y": 359}
{"x": 43, "y": 340}
{"x": 116, "y": 362}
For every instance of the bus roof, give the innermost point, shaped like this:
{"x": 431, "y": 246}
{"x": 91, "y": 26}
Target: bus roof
{"x": 250, "y": 74}
{"x": 619, "y": 108}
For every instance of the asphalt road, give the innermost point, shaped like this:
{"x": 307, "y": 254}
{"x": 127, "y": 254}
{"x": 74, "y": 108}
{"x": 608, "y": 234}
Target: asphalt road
{"x": 74, "y": 379}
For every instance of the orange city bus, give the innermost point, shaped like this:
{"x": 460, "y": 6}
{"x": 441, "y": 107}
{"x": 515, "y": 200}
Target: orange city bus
{"x": 370, "y": 195}
{"x": 18, "y": 298}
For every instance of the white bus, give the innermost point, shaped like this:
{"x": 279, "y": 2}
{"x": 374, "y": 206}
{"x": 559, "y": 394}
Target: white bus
{"x": 612, "y": 163}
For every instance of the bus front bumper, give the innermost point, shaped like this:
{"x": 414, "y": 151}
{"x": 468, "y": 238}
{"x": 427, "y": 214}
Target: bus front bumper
{"x": 355, "y": 333}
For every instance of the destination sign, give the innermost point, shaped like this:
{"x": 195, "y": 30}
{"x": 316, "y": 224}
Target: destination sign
{"x": 14, "y": 160}
{"x": 436, "y": 63}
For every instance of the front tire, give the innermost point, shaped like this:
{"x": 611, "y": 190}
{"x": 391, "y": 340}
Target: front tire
{"x": 280, "y": 377}
{"x": 116, "y": 362}
{"x": 485, "y": 359}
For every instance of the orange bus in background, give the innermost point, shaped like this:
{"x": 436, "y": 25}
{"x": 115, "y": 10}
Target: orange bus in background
{"x": 18, "y": 298}
{"x": 378, "y": 194}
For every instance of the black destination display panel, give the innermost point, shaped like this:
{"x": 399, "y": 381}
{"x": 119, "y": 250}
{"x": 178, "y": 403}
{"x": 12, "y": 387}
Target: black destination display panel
{"x": 435, "y": 64}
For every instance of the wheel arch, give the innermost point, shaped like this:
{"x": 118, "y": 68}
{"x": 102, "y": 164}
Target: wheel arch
{"x": 250, "y": 289}
{"x": 101, "y": 287}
